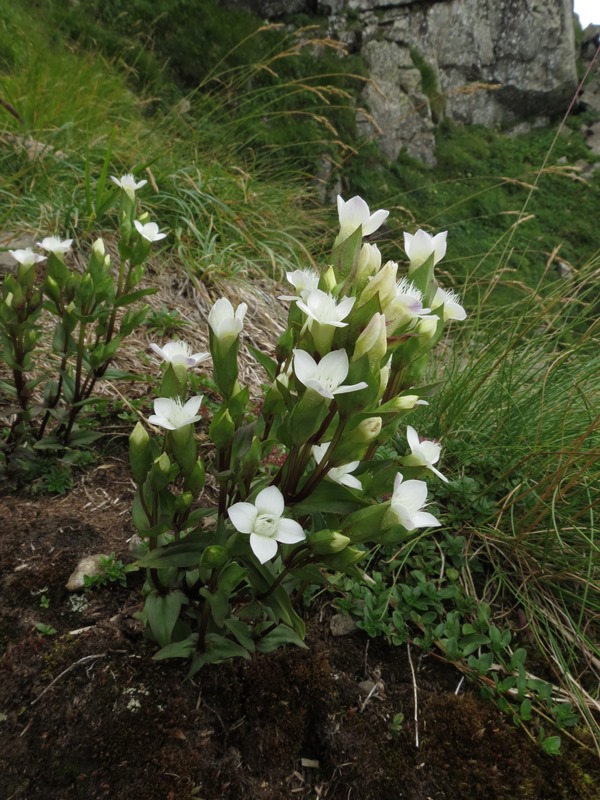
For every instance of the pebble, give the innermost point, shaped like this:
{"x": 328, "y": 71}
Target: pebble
{"x": 89, "y": 565}
{"x": 342, "y": 625}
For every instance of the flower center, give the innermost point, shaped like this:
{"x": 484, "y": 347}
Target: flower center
{"x": 266, "y": 525}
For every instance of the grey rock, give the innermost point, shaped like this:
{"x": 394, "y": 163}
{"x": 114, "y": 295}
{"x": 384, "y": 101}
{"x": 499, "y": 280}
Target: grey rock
{"x": 89, "y": 565}
{"x": 342, "y": 625}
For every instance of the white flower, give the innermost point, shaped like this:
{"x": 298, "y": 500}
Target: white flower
{"x": 171, "y": 414}
{"x": 324, "y": 309}
{"x": 423, "y": 453}
{"x": 354, "y": 213}
{"x": 129, "y": 184}
{"x": 327, "y": 376}
{"x": 264, "y": 521}
{"x": 149, "y": 231}
{"x": 179, "y": 353}
{"x": 407, "y": 501}
{"x": 450, "y": 301}
{"x": 339, "y": 474}
{"x": 26, "y": 257}
{"x": 53, "y": 244}
{"x": 304, "y": 282}
{"x": 420, "y": 246}
{"x": 405, "y": 306}
{"x": 226, "y": 323}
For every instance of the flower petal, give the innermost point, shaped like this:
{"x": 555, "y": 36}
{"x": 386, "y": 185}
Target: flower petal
{"x": 423, "y": 519}
{"x": 270, "y": 501}
{"x": 334, "y": 367}
{"x": 305, "y": 366}
{"x": 412, "y": 437}
{"x": 190, "y": 409}
{"x": 289, "y": 532}
{"x": 375, "y": 222}
{"x": 263, "y": 547}
{"x": 243, "y": 516}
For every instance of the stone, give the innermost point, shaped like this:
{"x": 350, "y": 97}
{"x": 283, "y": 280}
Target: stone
{"x": 342, "y": 625}
{"x": 89, "y": 565}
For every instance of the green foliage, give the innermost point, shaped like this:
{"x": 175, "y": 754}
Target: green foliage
{"x": 113, "y": 570}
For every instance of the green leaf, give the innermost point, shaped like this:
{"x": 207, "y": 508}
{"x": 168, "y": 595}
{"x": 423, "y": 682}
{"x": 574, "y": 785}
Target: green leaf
{"x": 162, "y": 612}
{"x": 469, "y": 644}
{"x": 182, "y": 649}
{"x": 242, "y": 633}
{"x": 218, "y": 649}
{"x": 184, "y": 553}
{"x": 279, "y": 636}
{"x": 331, "y": 497}
{"x": 551, "y": 745}
{"x": 131, "y": 297}
{"x": 269, "y": 364}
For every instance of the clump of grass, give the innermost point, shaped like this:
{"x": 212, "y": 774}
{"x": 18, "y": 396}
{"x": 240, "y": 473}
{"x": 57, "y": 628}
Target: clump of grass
{"x": 519, "y": 412}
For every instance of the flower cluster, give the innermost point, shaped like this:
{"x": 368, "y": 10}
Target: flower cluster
{"x": 346, "y": 371}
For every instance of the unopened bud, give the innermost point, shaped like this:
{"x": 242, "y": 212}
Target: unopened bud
{"x": 372, "y": 341}
{"x": 369, "y": 263}
{"x": 140, "y": 456}
{"x": 383, "y": 285}
{"x": 327, "y": 542}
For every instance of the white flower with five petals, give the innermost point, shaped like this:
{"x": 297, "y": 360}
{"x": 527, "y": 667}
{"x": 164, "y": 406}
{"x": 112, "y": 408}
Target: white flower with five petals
{"x": 172, "y": 415}
{"x": 265, "y": 523}
{"x": 179, "y": 353}
{"x": 354, "y": 213}
{"x": 407, "y": 501}
{"x": 326, "y": 377}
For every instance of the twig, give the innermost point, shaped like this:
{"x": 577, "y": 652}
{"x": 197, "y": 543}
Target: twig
{"x": 83, "y": 660}
{"x": 414, "y": 679}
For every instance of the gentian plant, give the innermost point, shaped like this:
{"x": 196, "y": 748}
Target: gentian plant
{"x": 88, "y": 313}
{"x": 222, "y": 581}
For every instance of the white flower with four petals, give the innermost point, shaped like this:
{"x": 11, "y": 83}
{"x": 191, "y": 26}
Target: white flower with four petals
{"x": 421, "y": 245}
{"x": 354, "y": 213}
{"x": 26, "y": 257}
{"x": 129, "y": 184}
{"x": 179, "y": 353}
{"x": 149, "y": 231}
{"x": 327, "y": 376}
{"x": 172, "y": 415}
{"x": 265, "y": 523}
{"x": 422, "y": 453}
{"x": 407, "y": 501}
{"x": 53, "y": 244}
{"x": 339, "y": 474}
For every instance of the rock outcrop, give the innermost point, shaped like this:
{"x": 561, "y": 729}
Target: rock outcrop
{"x": 488, "y": 62}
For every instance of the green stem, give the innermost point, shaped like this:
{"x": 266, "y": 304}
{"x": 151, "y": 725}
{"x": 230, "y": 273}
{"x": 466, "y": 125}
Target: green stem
{"x": 323, "y": 466}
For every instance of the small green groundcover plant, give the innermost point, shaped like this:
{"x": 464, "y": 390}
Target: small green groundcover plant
{"x": 304, "y": 487}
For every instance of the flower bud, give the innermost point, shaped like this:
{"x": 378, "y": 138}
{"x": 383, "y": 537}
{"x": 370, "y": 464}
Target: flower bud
{"x": 372, "y": 341}
{"x": 369, "y": 263}
{"x": 427, "y": 327}
{"x": 383, "y": 285}
{"x": 222, "y": 428}
{"x": 160, "y": 473}
{"x": 140, "y": 456}
{"x": 194, "y": 481}
{"x": 326, "y": 542}
{"x": 327, "y": 281}
{"x": 214, "y": 556}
